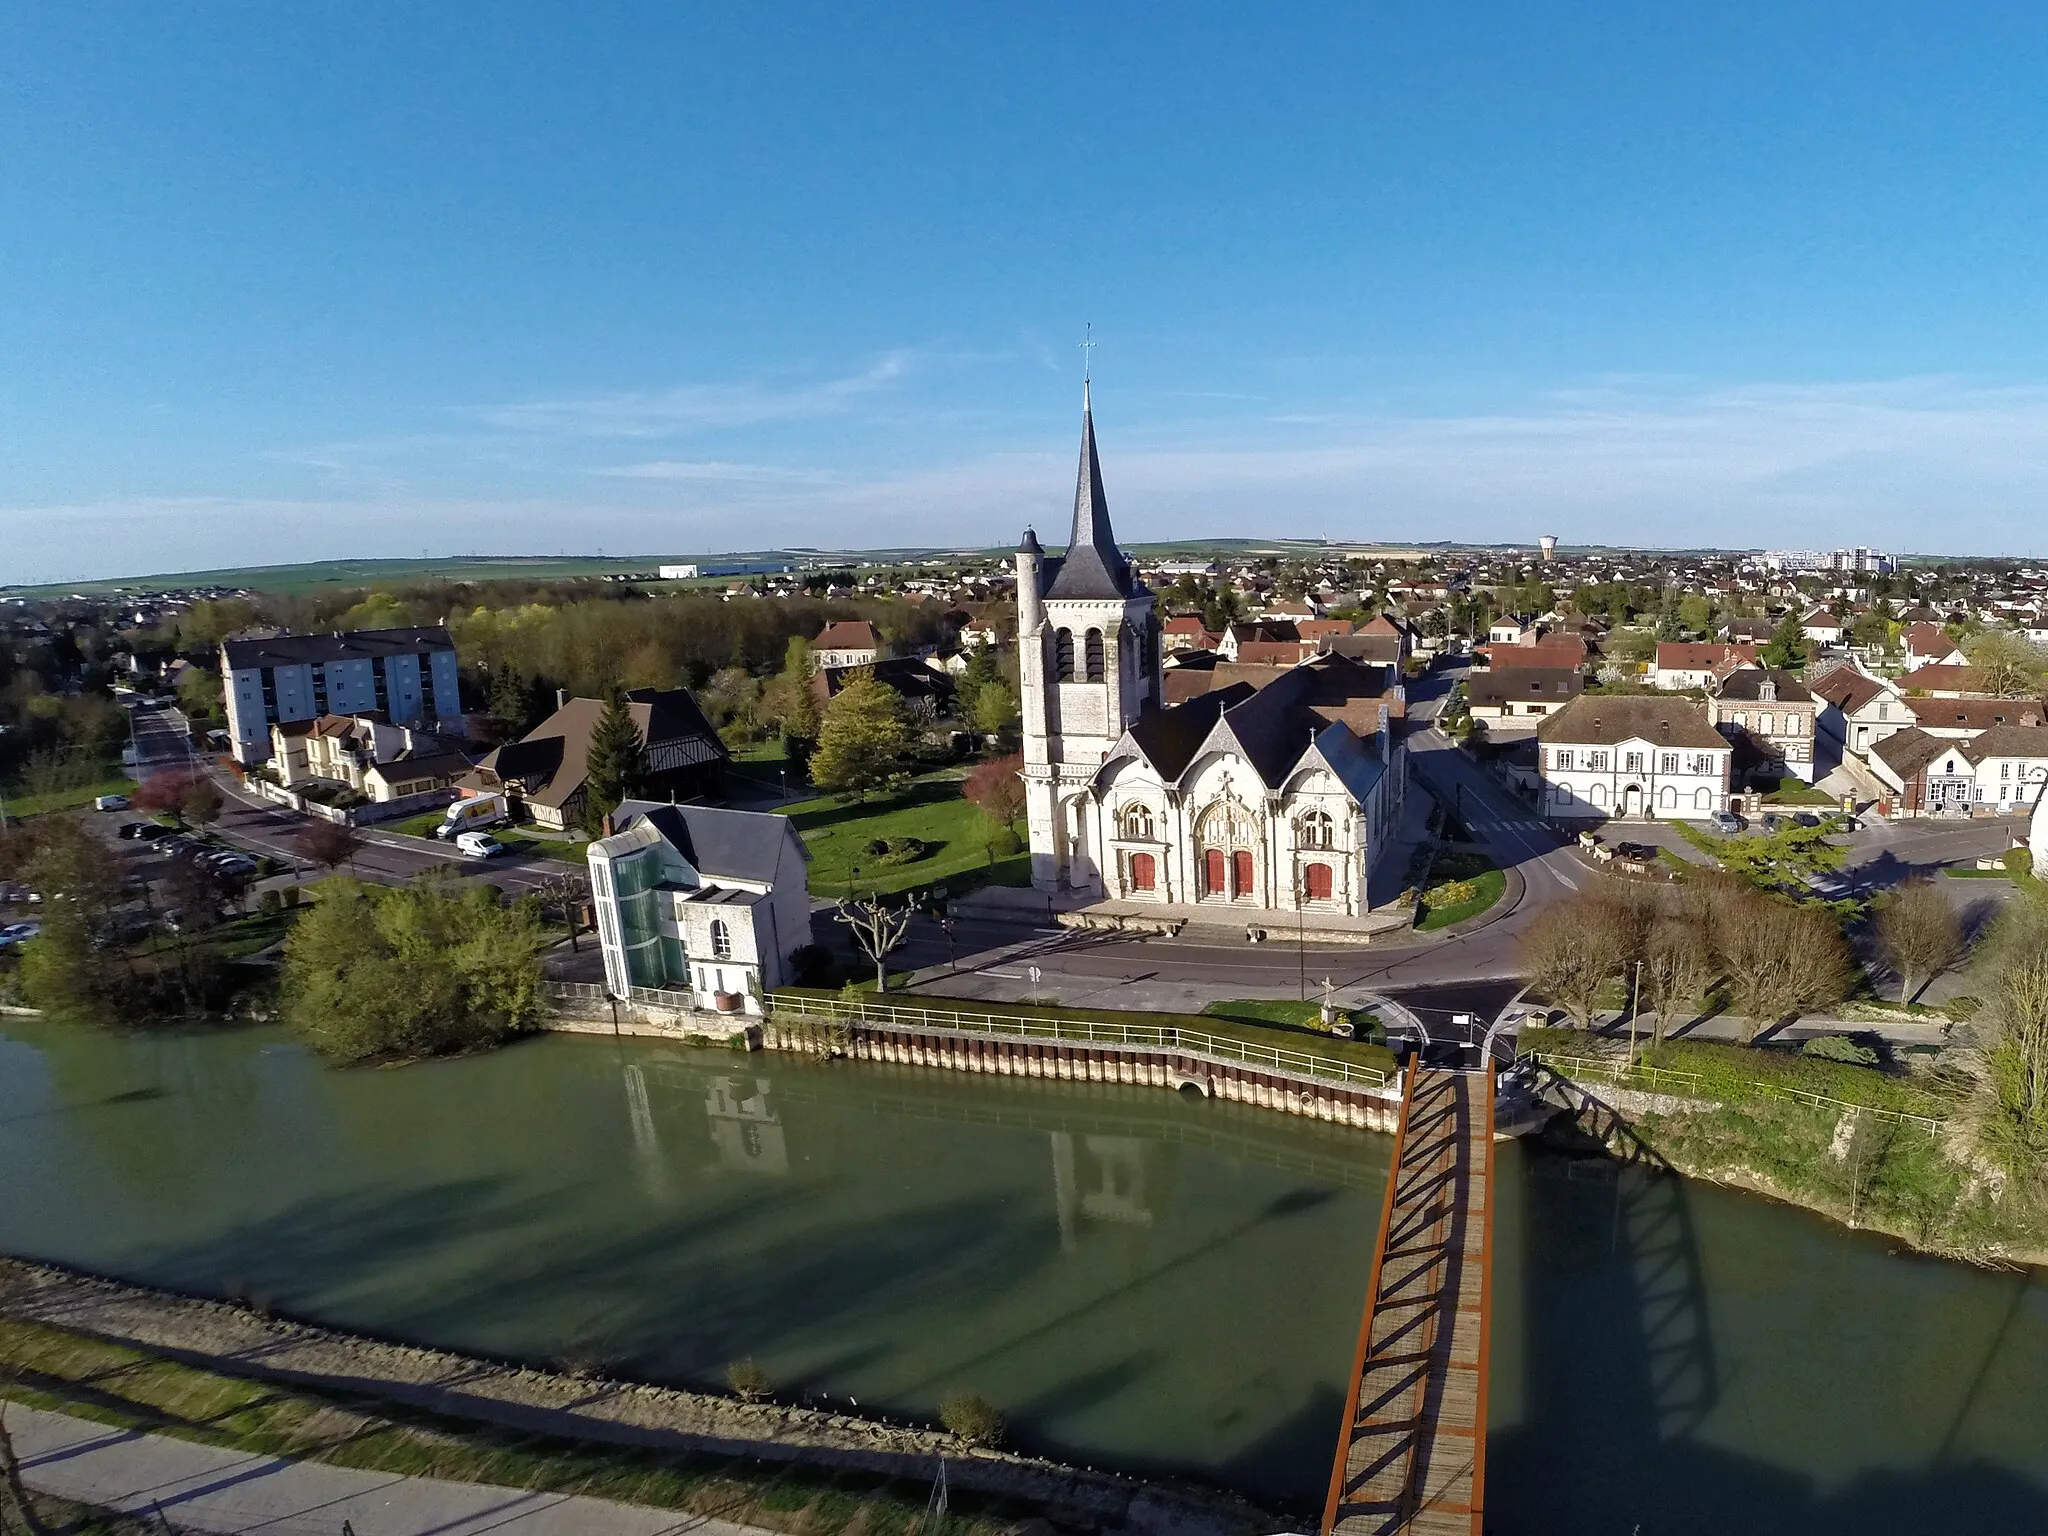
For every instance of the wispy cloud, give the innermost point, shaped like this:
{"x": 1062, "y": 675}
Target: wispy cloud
{"x": 709, "y": 469}
{"x": 697, "y": 407}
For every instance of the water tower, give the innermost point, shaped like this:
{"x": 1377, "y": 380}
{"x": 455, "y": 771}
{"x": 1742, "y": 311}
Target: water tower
{"x": 1548, "y": 544}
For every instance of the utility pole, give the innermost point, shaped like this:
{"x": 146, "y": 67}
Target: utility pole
{"x": 1635, "y": 1002}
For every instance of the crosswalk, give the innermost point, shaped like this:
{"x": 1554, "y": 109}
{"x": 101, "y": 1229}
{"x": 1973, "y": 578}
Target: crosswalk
{"x": 1524, "y": 824}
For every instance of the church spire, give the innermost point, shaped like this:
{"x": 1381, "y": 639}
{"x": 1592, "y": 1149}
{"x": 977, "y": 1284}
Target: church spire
{"x": 1093, "y": 567}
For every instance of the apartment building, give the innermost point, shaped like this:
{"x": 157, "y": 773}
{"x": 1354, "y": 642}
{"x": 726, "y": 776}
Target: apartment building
{"x": 407, "y": 676}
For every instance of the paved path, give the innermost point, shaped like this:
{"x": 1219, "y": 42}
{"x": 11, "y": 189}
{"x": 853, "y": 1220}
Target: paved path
{"x": 201, "y": 1488}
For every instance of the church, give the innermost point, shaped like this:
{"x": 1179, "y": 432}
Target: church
{"x": 1276, "y": 790}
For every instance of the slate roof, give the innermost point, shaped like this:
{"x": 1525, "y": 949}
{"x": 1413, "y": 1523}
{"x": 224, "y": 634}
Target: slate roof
{"x": 1093, "y": 567}
{"x": 1907, "y": 752}
{"x": 1747, "y": 685}
{"x": 1603, "y": 720}
{"x": 356, "y": 645}
{"x": 1501, "y": 685}
{"x": 734, "y": 845}
{"x": 551, "y": 760}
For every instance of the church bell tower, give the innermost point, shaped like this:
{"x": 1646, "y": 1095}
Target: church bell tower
{"x": 1089, "y": 662}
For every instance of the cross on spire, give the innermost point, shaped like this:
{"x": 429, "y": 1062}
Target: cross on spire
{"x": 1088, "y": 345}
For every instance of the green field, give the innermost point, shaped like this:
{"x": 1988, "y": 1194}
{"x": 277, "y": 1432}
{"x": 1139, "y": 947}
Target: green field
{"x": 20, "y": 803}
{"x": 837, "y": 831}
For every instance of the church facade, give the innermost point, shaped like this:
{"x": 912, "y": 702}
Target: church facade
{"x": 1249, "y": 797}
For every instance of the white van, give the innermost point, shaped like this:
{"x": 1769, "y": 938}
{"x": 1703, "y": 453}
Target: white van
{"x": 473, "y": 815}
{"x": 478, "y": 845}
{"x": 110, "y": 803}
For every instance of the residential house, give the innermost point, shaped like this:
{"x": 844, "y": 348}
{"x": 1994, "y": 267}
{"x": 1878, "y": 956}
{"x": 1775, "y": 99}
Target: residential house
{"x": 1522, "y": 693}
{"x": 1512, "y": 629}
{"x": 698, "y": 899}
{"x": 2000, "y": 771}
{"x": 927, "y": 691}
{"x": 1694, "y": 664}
{"x": 1822, "y": 627}
{"x": 1929, "y": 645}
{"x": 406, "y": 675}
{"x": 1769, "y": 716}
{"x": 545, "y": 770}
{"x": 846, "y": 643}
{"x": 1185, "y": 632}
{"x": 1961, "y": 719}
{"x": 1262, "y": 632}
{"x": 1857, "y": 710}
{"x": 379, "y": 760}
{"x": 1633, "y": 755}
{"x": 1941, "y": 680}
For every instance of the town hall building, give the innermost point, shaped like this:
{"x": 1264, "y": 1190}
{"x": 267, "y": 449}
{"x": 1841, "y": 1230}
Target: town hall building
{"x": 1279, "y": 797}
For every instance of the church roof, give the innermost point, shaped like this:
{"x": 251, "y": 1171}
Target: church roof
{"x": 1093, "y": 566}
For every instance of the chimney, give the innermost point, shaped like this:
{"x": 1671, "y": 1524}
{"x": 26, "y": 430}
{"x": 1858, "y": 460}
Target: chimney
{"x": 561, "y": 698}
{"x": 606, "y": 829}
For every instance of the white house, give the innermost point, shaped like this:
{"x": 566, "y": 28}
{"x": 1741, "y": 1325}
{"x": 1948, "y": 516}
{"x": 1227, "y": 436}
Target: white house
{"x": 1822, "y": 627}
{"x": 699, "y": 899}
{"x": 1694, "y": 664}
{"x": 1632, "y": 755}
{"x": 2000, "y": 771}
{"x": 1928, "y": 645}
{"x": 1857, "y": 711}
{"x": 847, "y": 643}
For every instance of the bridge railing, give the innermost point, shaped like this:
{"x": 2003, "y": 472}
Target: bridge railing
{"x": 1088, "y": 1031}
{"x": 591, "y": 992}
{"x": 1635, "y": 1074}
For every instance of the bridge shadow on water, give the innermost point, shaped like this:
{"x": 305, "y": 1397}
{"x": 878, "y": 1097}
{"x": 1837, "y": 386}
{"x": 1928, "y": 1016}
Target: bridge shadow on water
{"x": 1619, "y": 1379}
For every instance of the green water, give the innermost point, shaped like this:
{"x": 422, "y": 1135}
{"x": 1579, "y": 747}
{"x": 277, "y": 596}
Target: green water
{"x": 1138, "y": 1279}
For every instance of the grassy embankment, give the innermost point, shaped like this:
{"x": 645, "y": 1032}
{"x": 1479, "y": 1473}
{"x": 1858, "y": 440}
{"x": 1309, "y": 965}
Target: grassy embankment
{"x": 515, "y": 840}
{"x": 1877, "y": 1171}
{"x": 1279, "y": 1025}
{"x": 22, "y": 805}
{"x": 135, "y": 1389}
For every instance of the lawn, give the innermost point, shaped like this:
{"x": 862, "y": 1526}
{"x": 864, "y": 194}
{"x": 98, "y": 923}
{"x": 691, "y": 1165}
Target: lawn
{"x": 1288, "y": 1014}
{"x": 422, "y": 826}
{"x": 837, "y": 832}
{"x": 1466, "y": 885}
{"x": 21, "y": 804}
{"x": 1791, "y": 791}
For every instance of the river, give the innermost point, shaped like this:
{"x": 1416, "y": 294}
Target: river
{"x": 1140, "y": 1280}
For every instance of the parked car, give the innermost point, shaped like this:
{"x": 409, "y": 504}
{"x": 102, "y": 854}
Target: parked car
{"x": 111, "y": 803}
{"x": 478, "y": 845}
{"x": 151, "y": 831}
{"x": 1727, "y": 823}
{"x": 18, "y": 933}
{"x": 1641, "y": 853}
{"x": 129, "y": 831}
{"x": 1773, "y": 821}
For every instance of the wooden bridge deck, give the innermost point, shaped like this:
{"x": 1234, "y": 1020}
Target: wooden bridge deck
{"x": 1412, "y": 1454}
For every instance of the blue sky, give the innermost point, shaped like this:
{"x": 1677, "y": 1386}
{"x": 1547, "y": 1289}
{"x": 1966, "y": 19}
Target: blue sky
{"x": 286, "y": 282}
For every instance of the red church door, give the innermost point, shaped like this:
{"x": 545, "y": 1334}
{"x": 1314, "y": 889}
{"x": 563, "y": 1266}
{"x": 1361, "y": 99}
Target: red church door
{"x": 1212, "y": 872}
{"x": 1141, "y": 872}
{"x": 1241, "y": 872}
{"x": 1316, "y": 881}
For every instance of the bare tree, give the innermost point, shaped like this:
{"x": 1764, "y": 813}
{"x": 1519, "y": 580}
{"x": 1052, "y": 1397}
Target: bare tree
{"x": 1919, "y": 935}
{"x": 1781, "y": 957}
{"x": 878, "y": 928}
{"x": 329, "y": 843}
{"x": 1574, "y": 948}
{"x": 1678, "y": 965}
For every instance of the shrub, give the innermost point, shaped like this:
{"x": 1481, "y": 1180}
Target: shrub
{"x": 973, "y": 1419}
{"x": 2019, "y": 862}
{"x": 811, "y": 964}
{"x": 875, "y": 847}
{"x": 270, "y": 903}
{"x": 1005, "y": 842}
{"x": 748, "y": 1381}
{"x": 291, "y": 896}
{"x": 905, "y": 850}
{"x": 1839, "y": 1048}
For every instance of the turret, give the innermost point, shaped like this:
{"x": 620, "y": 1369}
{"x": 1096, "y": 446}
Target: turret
{"x": 1030, "y": 596}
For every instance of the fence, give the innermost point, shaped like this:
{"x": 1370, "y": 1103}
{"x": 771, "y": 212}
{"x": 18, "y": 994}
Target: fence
{"x": 590, "y": 992}
{"x": 1631, "y": 1074}
{"x": 1150, "y": 1036}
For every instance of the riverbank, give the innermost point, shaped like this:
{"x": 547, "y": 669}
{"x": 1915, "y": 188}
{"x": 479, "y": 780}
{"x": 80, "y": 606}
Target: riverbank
{"x": 181, "y": 1365}
{"x": 1871, "y": 1150}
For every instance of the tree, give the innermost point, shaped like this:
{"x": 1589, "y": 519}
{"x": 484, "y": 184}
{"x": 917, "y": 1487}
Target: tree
{"x": 996, "y": 789}
{"x": 861, "y": 740}
{"x": 1787, "y": 861}
{"x": 64, "y": 969}
{"x": 2005, "y": 665}
{"x": 1678, "y": 964}
{"x": 982, "y": 668}
{"x": 612, "y": 767}
{"x": 1573, "y": 949}
{"x": 788, "y": 699}
{"x": 510, "y": 708}
{"x": 199, "y": 695}
{"x": 202, "y": 801}
{"x": 411, "y": 971}
{"x": 1696, "y": 613}
{"x": 995, "y": 707}
{"x": 1786, "y": 649}
{"x": 1918, "y": 935}
{"x": 329, "y": 844}
{"x": 1781, "y": 957}
{"x": 878, "y": 928}
{"x": 2011, "y": 1103}
{"x": 164, "y": 790}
